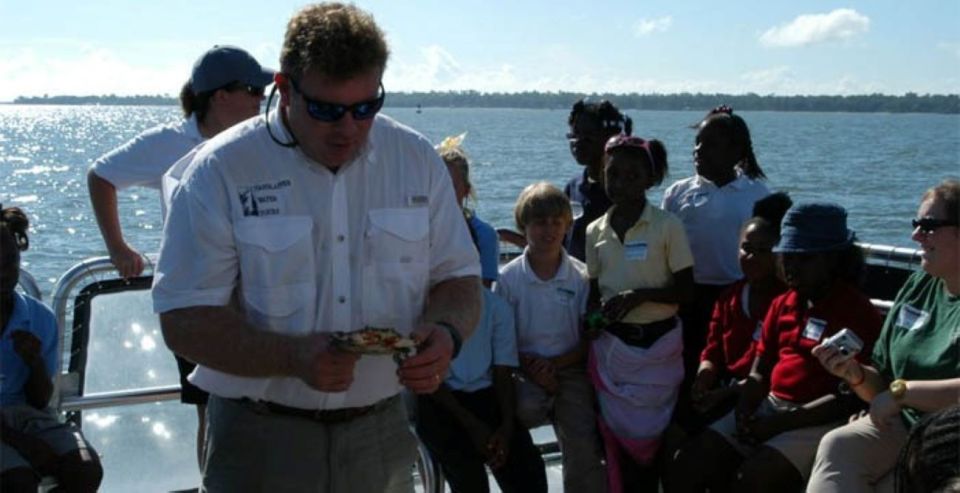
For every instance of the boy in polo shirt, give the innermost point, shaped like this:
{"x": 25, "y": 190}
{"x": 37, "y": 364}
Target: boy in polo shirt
{"x": 547, "y": 289}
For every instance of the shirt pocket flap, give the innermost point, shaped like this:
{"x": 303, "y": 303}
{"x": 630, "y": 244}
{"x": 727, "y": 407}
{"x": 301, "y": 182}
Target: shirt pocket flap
{"x": 407, "y": 224}
{"x": 274, "y": 234}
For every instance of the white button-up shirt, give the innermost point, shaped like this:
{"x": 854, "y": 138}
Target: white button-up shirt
{"x": 143, "y": 160}
{"x": 308, "y": 250}
{"x": 713, "y": 217}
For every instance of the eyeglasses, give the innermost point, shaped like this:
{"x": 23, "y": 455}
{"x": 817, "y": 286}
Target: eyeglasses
{"x": 928, "y": 225}
{"x": 255, "y": 91}
{"x": 332, "y": 112}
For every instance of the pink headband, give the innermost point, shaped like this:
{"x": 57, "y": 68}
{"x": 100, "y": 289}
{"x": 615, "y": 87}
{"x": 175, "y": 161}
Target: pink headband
{"x": 629, "y": 141}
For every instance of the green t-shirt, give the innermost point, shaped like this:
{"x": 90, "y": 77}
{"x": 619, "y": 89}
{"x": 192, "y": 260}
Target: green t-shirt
{"x": 920, "y": 339}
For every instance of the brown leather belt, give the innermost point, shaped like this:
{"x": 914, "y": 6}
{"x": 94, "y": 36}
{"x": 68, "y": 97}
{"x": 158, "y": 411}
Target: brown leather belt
{"x": 641, "y": 335}
{"x": 326, "y": 416}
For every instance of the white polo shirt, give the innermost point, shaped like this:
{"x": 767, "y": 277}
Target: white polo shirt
{"x": 308, "y": 250}
{"x": 145, "y": 158}
{"x": 712, "y": 217}
{"x": 547, "y": 312}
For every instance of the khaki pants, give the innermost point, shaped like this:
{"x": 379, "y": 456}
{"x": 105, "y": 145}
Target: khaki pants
{"x": 252, "y": 452}
{"x": 572, "y": 412}
{"x": 857, "y": 457}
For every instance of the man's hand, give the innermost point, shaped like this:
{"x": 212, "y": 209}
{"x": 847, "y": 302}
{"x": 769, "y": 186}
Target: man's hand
{"x": 325, "y": 367}
{"x": 498, "y": 448}
{"x": 129, "y": 262}
{"x": 425, "y": 371}
{"x": 27, "y": 346}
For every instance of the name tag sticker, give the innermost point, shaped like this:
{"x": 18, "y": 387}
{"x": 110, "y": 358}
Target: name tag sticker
{"x": 758, "y": 331}
{"x": 636, "y": 250}
{"x": 814, "y": 329}
{"x": 911, "y": 318}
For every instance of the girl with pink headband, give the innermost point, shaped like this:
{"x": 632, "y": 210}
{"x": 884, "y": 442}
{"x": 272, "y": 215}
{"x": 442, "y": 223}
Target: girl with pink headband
{"x": 640, "y": 269}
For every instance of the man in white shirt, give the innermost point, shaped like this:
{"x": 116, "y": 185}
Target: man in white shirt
{"x": 322, "y": 216}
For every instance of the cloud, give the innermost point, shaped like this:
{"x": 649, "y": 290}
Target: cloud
{"x": 645, "y": 27}
{"x": 952, "y": 48}
{"x": 817, "y": 28}
{"x": 785, "y": 80}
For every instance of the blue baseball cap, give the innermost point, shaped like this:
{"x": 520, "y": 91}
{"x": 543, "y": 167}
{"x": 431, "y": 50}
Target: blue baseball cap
{"x": 224, "y": 64}
{"x": 813, "y": 228}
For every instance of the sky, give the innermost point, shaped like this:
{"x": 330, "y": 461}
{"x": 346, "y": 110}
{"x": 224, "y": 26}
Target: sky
{"x": 125, "y": 47}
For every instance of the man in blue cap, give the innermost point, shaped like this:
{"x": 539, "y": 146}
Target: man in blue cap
{"x": 226, "y": 86}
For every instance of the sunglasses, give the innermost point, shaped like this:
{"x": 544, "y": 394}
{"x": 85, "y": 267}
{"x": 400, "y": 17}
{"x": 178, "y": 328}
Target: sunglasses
{"x": 332, "y": 112}
{"x": 928, "y": 225}
{"x": 255, "y": 91}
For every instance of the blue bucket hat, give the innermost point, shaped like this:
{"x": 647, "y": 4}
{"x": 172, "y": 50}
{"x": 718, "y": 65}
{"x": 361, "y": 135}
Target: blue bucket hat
{"x": 815, "y": 227}
{"x": 224, "y": 64}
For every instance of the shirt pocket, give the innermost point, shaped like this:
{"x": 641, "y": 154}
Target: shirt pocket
{"x": 277, "y": 269}
{"x": 396, "y": 267}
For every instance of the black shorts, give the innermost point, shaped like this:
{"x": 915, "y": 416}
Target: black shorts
{"x": 189, "y": 393}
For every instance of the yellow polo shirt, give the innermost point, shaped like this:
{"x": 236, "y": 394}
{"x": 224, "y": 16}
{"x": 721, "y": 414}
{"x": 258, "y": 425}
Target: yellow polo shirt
{"x": 655, "y": 247}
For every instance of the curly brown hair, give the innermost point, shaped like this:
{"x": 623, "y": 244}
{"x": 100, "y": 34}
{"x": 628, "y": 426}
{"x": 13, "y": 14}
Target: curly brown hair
{"x": 338, "y": 40}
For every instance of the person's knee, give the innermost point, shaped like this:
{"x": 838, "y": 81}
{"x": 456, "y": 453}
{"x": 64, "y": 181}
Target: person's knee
{"x": 80, "y": 471}
{"x": 838, "y": 445}
{"x": 19, "y": 480}
{"x": 768, "y": 470}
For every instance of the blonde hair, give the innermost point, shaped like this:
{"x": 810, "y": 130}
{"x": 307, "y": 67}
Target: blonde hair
{"x": 337, "y": 40}
{"x": 541, "y": 200}
{"x": 452, "y": 153}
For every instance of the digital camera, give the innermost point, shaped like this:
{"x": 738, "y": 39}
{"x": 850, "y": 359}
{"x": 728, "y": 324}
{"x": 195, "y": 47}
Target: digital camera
{"x": 846, "y": 342}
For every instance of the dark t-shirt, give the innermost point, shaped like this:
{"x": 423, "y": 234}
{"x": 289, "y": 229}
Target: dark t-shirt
{"x": 593, "y": 203}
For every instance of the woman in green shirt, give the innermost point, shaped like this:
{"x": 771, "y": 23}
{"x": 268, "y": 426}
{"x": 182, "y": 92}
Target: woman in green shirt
{"x": 916, "y": 360}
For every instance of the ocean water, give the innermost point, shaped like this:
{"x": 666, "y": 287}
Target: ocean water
{"x": 876, "y": 165}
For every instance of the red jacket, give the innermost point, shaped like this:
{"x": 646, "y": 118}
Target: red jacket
{"x": 792, "y": 329}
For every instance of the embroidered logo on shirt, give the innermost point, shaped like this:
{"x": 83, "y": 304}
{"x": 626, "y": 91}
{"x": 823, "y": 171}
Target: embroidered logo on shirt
{"x": 418, "y": 201}
{"x": 636, "y": 250}
{"x": 911, "y": 318}
{"x": 262, "y": 199}
{"x": 814, "y": 329}
{"x": 565, "y": 295}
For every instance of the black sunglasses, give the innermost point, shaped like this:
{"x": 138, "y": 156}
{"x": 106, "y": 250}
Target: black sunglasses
{"x": 255, "y": 91}
{"x": 928, "y": 225}
{"x": 332, "y": 112}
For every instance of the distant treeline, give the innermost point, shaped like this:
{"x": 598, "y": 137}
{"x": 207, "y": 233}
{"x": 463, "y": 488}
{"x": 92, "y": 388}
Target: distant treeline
{"x": 868, "y": 103}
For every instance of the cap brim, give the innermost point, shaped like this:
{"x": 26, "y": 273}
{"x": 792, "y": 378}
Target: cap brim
{"x": 263, "y": 79}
